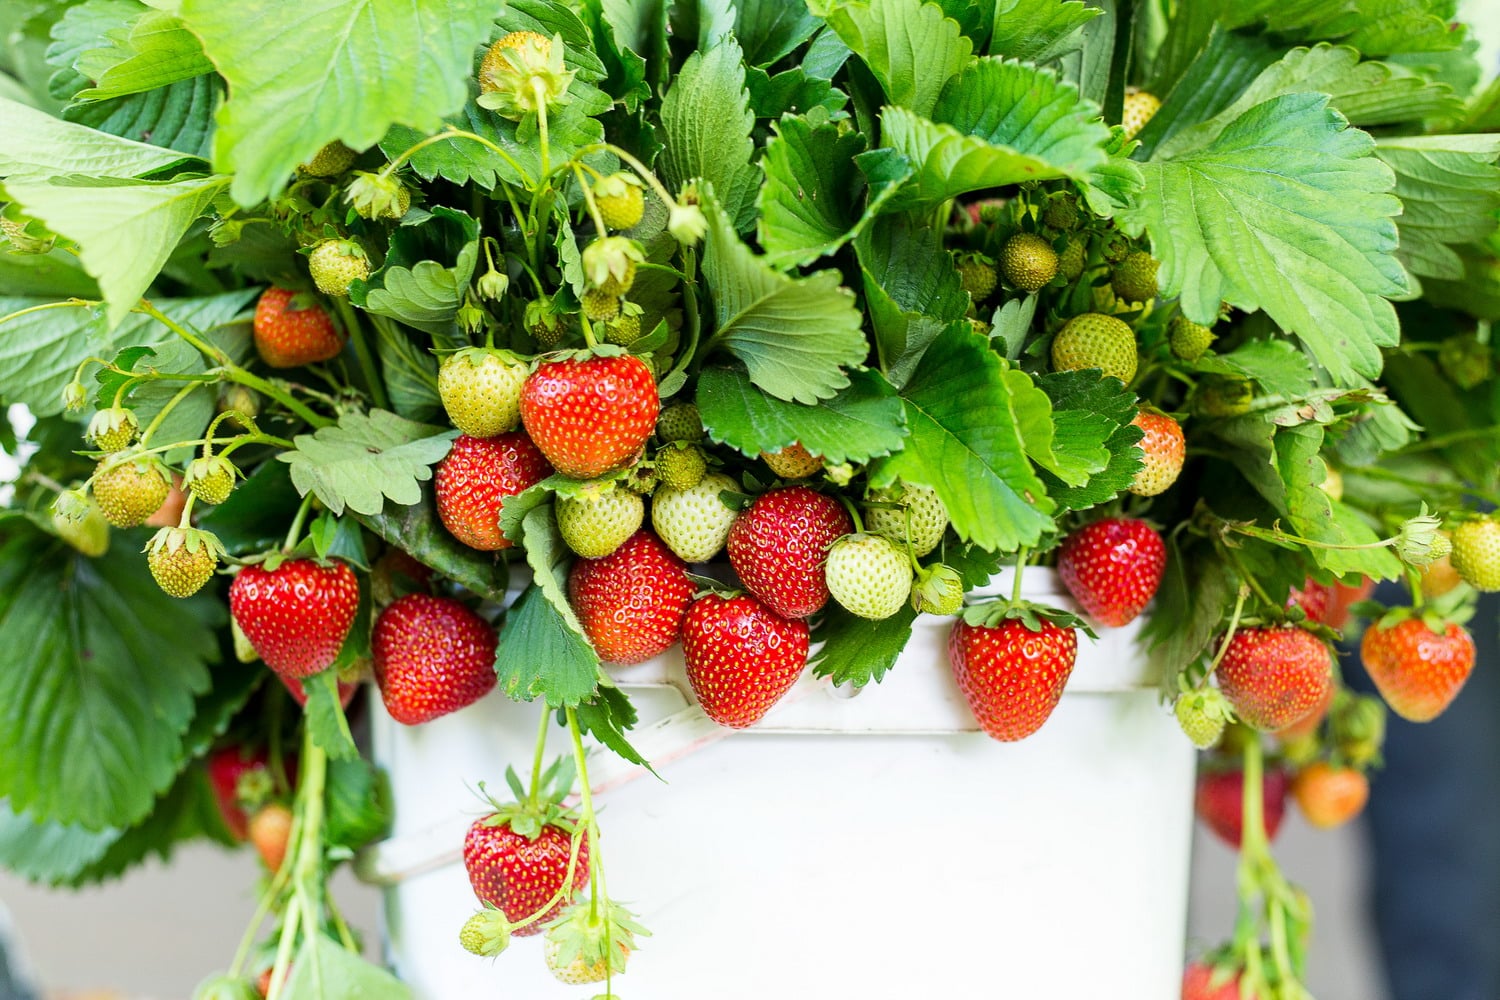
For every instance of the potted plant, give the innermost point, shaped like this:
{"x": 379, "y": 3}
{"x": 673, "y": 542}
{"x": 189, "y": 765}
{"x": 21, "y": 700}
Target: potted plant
{"x": 437, "y": 345}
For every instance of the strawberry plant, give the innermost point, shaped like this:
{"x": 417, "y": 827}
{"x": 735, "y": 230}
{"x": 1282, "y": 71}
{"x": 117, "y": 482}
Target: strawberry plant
{"x": 857, "y": 301}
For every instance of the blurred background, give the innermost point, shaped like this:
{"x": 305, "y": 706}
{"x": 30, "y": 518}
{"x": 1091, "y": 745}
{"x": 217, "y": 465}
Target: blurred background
{"x": 154, "y": 934}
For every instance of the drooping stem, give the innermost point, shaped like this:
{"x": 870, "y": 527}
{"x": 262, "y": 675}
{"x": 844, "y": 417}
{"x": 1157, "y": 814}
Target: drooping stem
{"x": 295, "y": 531}
{"x": 208, "y": 350}
{"x": 533, "y": 795}
{"x": 171, "y": 404}
{"x": 1015, "y": 586}
{"x": 248, "y": 378}
{"x": 362, "y": 352}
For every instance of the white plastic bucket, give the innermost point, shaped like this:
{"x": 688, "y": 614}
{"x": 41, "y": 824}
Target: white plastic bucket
{"x": 875, "y": 846}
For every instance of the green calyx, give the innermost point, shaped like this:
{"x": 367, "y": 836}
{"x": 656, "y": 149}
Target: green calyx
{"x": 992, "y": 614}
{"x": 486, "y": 933}
{"x": 543, "y": 807}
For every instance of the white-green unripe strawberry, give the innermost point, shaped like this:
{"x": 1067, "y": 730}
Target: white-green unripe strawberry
{"x": 481, "y": 390}
{"x": 694, "y": 523}
{"x": 598, "y": 520}
{"x": 869, "y": 575}
{"x": 928, "y": 520}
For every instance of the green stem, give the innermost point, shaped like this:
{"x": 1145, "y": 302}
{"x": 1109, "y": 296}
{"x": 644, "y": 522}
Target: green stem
{"x": 312, "y": 779}
{"x": 859, "y": 524}
{"x": 362, "y": 352}
{"x": 587, "y": 818}
{"x": 533, "y": 795}
{"x": 1015, "y": 588}
{"x": 1234, "y": 623}
{"x": 590, "y": 203}
{"x": 295, "y": 531}
{"x": 457, "y": 133}
{"x": 284, "y": 948}
{"x": 260, "y": 385}
{"x": 208, "y": 350}
{"x": 539, "y": 89}
{"x": 182, "y": 394}
{"x": 186, "y": 520}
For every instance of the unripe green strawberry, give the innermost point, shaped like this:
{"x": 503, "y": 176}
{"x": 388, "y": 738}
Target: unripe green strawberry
{"x": 481, "y": 390}
{"x": 609, "y": 264}
{"x": 378, "y": 196}
{"x": 78, "y": 521}
{"x": 1094, "y": 340}
{"x": 694, "y": 523}
{"x": 1028, "y": 262}
{"x": 641, "y": 479}
{"x": 1189, "y": 340}
{"x": 937, "y": 590}
{"x": 792, "y": 462}
{"x": 624, "y": 329}
{"x": 1223, "y": 396}
{"x": 977, "y": 275}
{"x": 1061, "y": 212}
{"x": 1116, "y": 247}
{"x": 209, "y": 478}
{"x": 1466, "y": 360}
{"x": 1134, "y": 278}
{"x": 1202, "y": 714}
{"x": 486, "y": 933}
{"x": 1140, "y": 108}
{"x": 620, "y": 200}
{"x": 869, "y": 575}
{"x": 680, "y": 422}
{"x": 680, "y": 466}
{"x": 1070, "y": 261}
{"x": 130, "y": 490}
{"x": 598, "y": 520}
{"x": 112, "y": 429}
{"x": 330, "y": 161}
{"x": 182, "y": 560}
{"x": 1476, "y": 553}
{"x": 543, "y": 323}
{"x": 600, "y": 306}
{"x": 337, "y": 264}
{"x": 928, "y": 516}
{"x": 244, "y": 650}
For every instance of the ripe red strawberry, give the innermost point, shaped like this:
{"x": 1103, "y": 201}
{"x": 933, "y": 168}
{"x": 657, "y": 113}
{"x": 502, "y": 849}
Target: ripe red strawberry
{"x": 519, "y": 875}
{"x": 1113, "y": 568}
{"x": 1202, "y": 982}
{"x": 1011, "y": 676}
{"x": 1220, "y": 802}
{"x": 741, "y": 657}
{"x": 1316, "y": 600}
{"x": 270, "y": 832}
{"x": 1418, "y": 671}
{"x": 1164, "y": 448}
{"x": 593, "y": 416}
{"x": 1275, "y": 676}
{"x": 1345, "y": 596}
{"x": 632, "y": 601}
{"x": 433, "y": 656}
{"x": 1309, "y": 723}
{"x": 476, "y": 476}
{"x": 296, "y": 616}
{"x": 226, "y": 768}
{"x": 287, "y": 336}
{"x": 778, "y": 544}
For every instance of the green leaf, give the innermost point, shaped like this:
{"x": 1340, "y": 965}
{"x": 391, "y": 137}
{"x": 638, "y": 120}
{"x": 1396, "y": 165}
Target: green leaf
{"x": 792, "y": 91}
{"x": 364, "y": 459}
{"x": 541, "y": 655}
{"x": 125, "y": 231}
{"x": 997, "y": 123}
{"x": 359, "y": 803}
{"x": 1038, "y": 30}
{"x": 414, "y": 286}
{"x": 608, "y": 715}
{"x": 156, "y": 50}
{"x": 1219, "y": 72}
{"x": 911, "y": 47}
{"x": 1191, "y": 602}
{"x": 1092, "y": 413}
{"x": 856, "y": 651}
{"x": 100, "y": 681}
{"x": 1041, "y": 428}
{"x": 795, "y": 335}
{"x": 417, "y": 530}
{"x": 1275, "y": 363}
{"x": 1477, "y": 294}
{"x": 1449, "y": 186}
{"x": 549, "y": 558}
{"x": 40, "y": 351}
{"x": 179, "y": 116}
{"x": 771, "y": 29}
{"x": 340, "y": 69}
{"x": 46, "y": 851}
{"x": 964, "y": 442}
{"x": 54, "y": 275}
{"x": 1315, "y": 516}
{"x": 1381, "y": 27}
{"x": 808, "y": 204}
{"x": 409, "y": 372}
{"x": 706, "y": 121}
{"x": 325, "y": 717}
{"x": 911, "y": 289}
{"x": 323, "y": 970}
{"x": 1285, "y": 211}
{"x": 862, "y": 422}
{"x": 39, "y": 146}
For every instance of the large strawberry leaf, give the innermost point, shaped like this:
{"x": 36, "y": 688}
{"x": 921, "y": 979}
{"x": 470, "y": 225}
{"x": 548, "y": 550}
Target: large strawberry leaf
{"x": 40, "y": 146}
{"x": 179, "y": 116}
{"x": 417, "y": 529}
{"x": 795, "y": 335}
{"x": 912, "y": 48}
{"x": 998, "y": 123}
{"x": 862, "y": 422}
{"x": 964, "y": 441}
{"x": 47, "y": 851}
{"x": 413, "y": 288}
{"x": 1286, "y": 210}
{"x": 706, "y": 123}
{"x": 125, "y": 231}
{"x": 154, "y": 51}
{"x": 1038, "y": 30}
{"x": 101, "y": 675}
{"x": 1091, "y": 414}
{"x": 323, "y": 969}
{"x": 1449, "y": 186}
{"x": 771, "y": 29}
{"x": 366, "y": 458}
{"x": 340, "y": 69}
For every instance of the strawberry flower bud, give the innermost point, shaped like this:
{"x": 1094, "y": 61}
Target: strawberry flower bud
{"x": 609, "y": 264}
{"x": 687, "y": 224}
{"x": 493, "y": 285}
{"x": 377, "y": 196}
{"x": 470, "y": 315}
{"x": 522, "y": 73}
{"x": 74, "y": 396}
{"x": 26, "y": 235}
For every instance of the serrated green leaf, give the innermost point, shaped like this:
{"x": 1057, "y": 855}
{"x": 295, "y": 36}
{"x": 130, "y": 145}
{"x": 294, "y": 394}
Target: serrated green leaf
{"x": 179, "y": 116}
{"x": 155, "y": 50}
{"x": 541, "y": 655}
{"x": 997, "y": 123}
{"x": 809, "y": 204}
{"x": 325, "y": 717}
{"x": 1381, "y": 27}
{"x": 1449, "y": 186}
{"x": 1070, "y": 444}
{"x": 964, "y": 442}
{"x": 706, "y": 123}
{"x": 359, "y": 803}
{"x": 608, "y": 715}
{"x": 427, "y": 295}
{"x": 795, "y": 335}
{"x": 409, "y": 372}
{"x": 1315, "y": 516}
{"x": 771, "y": 29}
{"x": 340, "y": 69}
{"x": 911, "y": 47}
{"x": 54, "y": 275}
{"x": 639, "y": 29}
{"x": 862, "y": 422}
{"x": 1092, "y": 412}
{"x": 792, "y": 91}
{"x": 1285, "y": 211}
{"x": 323, "y": 970}
{"x": 83, "y": 27}
{"x": 46, "y": 851}
{"x": 912, "y": 290}
{"x": 417, "y": 530}
{"x": 125, "y": 231}
{"x": 101, "y": 679}
{"x": 39, "y": 146}
{"x": 1038, "y": 30}
{"x": 1217, "y": 72}
{"x": 366, "y": 458}
{"x": 1276, "y": 364}
{"x": 856, "y": 651}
